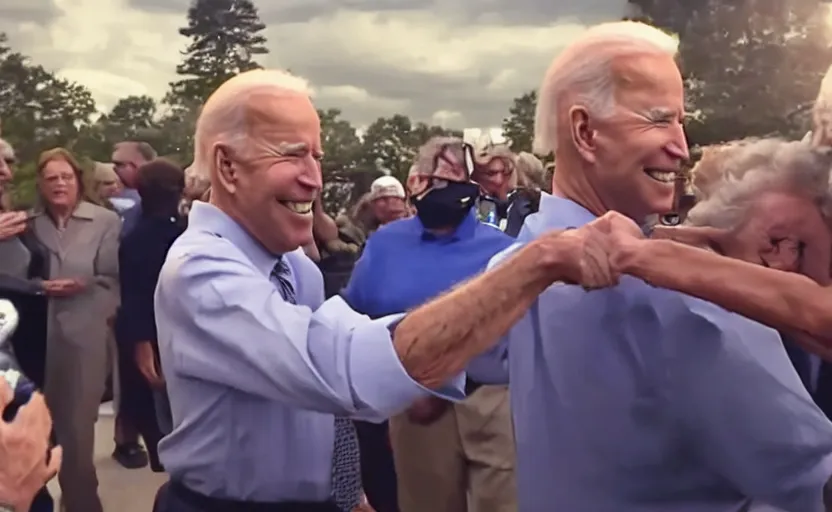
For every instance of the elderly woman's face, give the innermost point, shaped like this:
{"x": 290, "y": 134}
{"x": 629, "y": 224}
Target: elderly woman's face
{"x": 784, "y": 231}
{"x": 58, "y": 184}
{"x": 494, "y": 177}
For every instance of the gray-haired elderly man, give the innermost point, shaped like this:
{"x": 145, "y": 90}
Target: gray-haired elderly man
{"x": 260, "y": 369}
{"x": 638, "y": 398}
{"x": 765, "y": 205}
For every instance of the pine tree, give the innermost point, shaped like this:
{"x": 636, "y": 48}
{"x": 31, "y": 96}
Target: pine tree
{"x": 225, "y": 37}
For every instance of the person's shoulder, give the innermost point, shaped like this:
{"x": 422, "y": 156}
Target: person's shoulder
{"x": 198, "y": 252}
{"x": 397, "y": 228}
{"x": 505, "y": 253}
{"x": 100, "y": 213}
{"x": 393, "y": 234}
{"x": 493, "y": 235}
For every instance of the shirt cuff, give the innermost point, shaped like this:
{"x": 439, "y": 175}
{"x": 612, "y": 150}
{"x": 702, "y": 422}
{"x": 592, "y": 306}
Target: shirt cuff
{"x": 380, "y": 383}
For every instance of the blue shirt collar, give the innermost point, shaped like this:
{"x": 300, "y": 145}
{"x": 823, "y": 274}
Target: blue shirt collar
{"x": 210, "y": 219}
{"x": 464, "y": 231}
{"x": 559, "y": 208}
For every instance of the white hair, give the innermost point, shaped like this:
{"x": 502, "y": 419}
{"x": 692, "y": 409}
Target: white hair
{"x": 737, "y": 173}
{"x": 584, "y": 69}
{"x": 224, "y": 117}
{"x": 6, "y": 150}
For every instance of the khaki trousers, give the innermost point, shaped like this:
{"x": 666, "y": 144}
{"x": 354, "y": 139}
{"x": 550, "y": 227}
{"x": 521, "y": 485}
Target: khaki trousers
{"x": 464, "y": 461}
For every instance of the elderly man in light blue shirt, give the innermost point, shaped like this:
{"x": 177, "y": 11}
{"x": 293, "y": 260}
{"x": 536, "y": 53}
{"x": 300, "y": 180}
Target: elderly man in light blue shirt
{"x": 637, "y": 398}
{"x": 257, "y": 365}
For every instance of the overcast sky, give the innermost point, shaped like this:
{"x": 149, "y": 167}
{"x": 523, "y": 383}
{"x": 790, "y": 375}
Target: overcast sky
{"x": 452, "y": 62}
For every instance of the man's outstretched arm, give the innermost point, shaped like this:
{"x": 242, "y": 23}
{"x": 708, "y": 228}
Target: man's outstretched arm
{"x": 438, "y": 340}
{"x": 782, "y": 300}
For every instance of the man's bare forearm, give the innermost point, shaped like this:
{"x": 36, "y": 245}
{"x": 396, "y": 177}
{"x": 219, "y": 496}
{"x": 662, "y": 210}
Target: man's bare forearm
{"x": 436, "y": 341}
{"x": 782, "y": 300}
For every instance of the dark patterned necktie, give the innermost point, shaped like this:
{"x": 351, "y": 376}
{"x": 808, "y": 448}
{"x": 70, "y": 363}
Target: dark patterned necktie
{"x": 346, "y": 467}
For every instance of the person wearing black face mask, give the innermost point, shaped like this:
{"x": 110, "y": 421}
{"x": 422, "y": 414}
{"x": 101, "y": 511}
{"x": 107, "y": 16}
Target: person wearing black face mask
{"x": 404, "y": 264}
{"x": 445, "y": 204}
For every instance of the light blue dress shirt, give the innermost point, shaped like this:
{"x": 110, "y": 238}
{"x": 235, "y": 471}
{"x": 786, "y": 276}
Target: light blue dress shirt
{"x": 640, "y": 399}
{"x": 254, "y": 381}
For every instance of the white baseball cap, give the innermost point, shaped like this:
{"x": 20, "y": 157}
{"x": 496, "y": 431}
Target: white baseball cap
{"x": 386, "y": 186}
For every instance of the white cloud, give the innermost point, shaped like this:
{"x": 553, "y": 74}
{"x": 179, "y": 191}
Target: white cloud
{"x": 116, "y": 50}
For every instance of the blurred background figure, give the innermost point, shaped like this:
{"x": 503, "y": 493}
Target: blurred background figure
{"x": 387, "y": 201}
{"x": 445, "y": 457}
{"x": 339, "y": 243}
{"x": 143, "y": 251}
{"x": 106, "y": 183}
{"x": 196, "y": 186}
{"x": 25, "y": 267}
{"x": 82, "y": 240}
{"x": 510, "y": 185}
{"x": 7, "y": 161}
{"x": 127, "y": 157}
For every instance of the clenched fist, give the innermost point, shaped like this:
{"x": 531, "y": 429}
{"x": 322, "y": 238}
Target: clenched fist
{"x": 26, "y": 463}
{"x": 587, "y": 255}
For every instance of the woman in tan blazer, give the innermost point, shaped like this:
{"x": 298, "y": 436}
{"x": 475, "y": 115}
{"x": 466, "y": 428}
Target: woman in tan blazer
{"x": 82, "y": 240}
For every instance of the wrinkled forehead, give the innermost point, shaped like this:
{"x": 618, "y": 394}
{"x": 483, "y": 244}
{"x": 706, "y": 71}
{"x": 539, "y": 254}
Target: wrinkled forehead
{"x": 649, "y": 81}
{"x": 283, "y": 122}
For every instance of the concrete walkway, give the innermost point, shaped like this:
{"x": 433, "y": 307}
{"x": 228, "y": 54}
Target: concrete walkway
{"x": 121, "y": 490}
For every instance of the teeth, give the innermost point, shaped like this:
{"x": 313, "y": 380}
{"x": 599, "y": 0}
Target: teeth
{"x": 302, "y": 208}
{"x": 663, "y": 176}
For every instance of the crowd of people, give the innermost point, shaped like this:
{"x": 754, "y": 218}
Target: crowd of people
{"x": 474, "y": 339}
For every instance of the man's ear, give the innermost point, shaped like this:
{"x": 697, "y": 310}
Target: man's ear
{"x": 583, "y": 135}
{"x": 226, "y": 172}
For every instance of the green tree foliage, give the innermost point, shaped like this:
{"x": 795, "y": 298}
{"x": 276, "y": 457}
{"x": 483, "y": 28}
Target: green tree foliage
{"x": 390, "y": 144}
{"x": 225, "y": 38}
{"x": 749, "y": 64}
{"x": 131, "y": 116}
{"x": 518, "y": 127}
{"x": 39, "y": 109}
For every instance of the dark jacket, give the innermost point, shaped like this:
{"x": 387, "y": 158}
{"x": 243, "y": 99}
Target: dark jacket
{"x": 140, "y": 257}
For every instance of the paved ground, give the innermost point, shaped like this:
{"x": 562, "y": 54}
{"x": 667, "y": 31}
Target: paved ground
{"x": 121, "y": 490}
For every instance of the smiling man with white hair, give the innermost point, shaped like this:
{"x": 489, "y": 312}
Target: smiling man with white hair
{"x": 258, "y": 367}
{"x": 648, "y": 400}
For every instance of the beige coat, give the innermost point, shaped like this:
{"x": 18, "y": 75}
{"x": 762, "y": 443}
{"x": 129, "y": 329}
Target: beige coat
{"x": 76, "y": 345}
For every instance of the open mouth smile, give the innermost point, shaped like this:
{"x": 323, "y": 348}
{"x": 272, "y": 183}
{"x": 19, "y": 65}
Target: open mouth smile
{"x": 299, "y": 207}
{"x": 661, "y": 176}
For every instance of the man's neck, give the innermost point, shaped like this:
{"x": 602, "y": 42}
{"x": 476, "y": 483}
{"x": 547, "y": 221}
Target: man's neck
{"x": 570, "y": 183}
